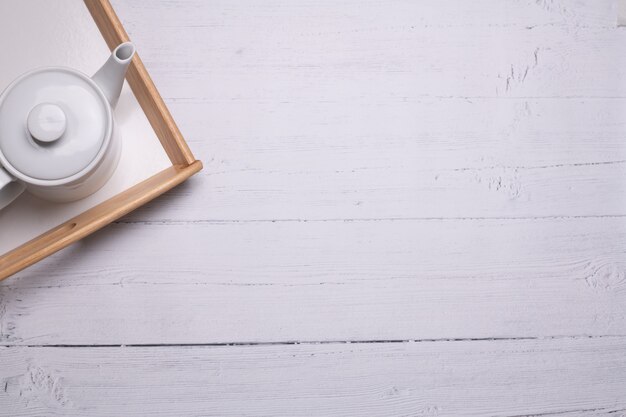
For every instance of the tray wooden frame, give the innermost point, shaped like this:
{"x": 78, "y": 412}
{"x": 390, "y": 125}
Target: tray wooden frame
{"x": 184, "y": 165}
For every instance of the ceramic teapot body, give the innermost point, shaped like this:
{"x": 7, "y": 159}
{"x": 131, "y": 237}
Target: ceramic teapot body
{"x": 58, "y": 138}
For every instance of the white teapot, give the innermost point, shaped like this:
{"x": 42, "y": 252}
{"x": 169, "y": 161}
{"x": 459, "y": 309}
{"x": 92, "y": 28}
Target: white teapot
{"x": 58, "y": 138}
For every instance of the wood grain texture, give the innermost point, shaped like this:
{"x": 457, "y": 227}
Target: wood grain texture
{"x": 325, "y": 281}
{"x": 572, "y": 378}
{"x": 301, "y": 183}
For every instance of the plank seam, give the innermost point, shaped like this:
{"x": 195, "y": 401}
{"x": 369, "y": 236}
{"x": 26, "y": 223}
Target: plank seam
{"x": 196, "y": 100}
{"x": 322, "y": 342}
{"x": 170, "y": 222}
{"x": 576, "y": 410}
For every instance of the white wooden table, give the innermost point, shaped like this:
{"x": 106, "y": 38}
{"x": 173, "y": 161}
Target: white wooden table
{"x": 408, "y": 208}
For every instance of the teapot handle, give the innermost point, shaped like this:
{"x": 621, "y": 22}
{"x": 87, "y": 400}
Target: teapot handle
{"x": 10, "y": 188}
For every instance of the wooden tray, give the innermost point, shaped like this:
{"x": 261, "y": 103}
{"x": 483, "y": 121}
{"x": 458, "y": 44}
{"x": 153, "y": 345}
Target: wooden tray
{"x": 184, "y": 165}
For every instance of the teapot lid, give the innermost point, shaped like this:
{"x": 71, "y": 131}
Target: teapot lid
{"x": 55, "y": 123}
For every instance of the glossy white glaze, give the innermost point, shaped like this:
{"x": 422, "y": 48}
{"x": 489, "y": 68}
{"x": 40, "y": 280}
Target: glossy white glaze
{"x": 110, "y": 77}
{"x": 46, "y": 123}
{"x": 87, "y": 133}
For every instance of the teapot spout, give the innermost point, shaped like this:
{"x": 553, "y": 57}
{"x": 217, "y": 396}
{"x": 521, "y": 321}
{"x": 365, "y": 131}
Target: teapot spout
{"x": 110, "y": 77}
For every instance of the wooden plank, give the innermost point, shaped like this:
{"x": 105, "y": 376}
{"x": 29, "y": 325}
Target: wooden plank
{"x": 295, "y": 179}
{"x": 570, "y": 377}
{"x": 434, "y": 133}
{"x": 324, "y": 281}
{"x": 547, "y": 63}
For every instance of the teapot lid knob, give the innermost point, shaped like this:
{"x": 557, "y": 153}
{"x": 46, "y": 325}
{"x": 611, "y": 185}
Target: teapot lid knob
{"x": 46, "y": 122}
